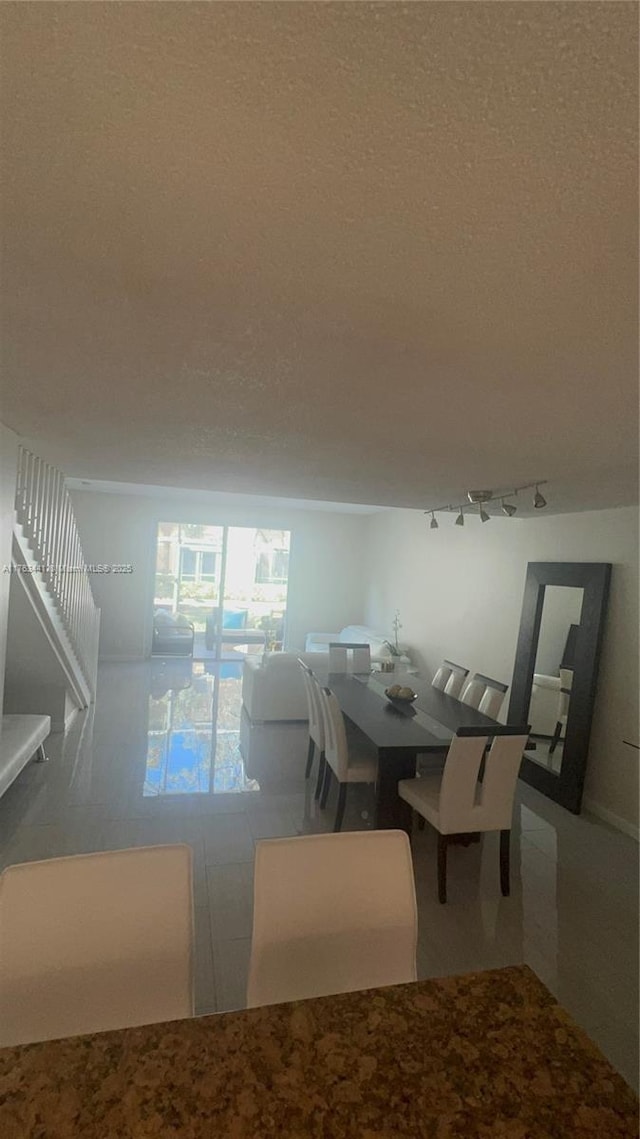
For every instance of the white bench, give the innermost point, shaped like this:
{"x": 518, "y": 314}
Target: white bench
{"x": 20, "y": 738}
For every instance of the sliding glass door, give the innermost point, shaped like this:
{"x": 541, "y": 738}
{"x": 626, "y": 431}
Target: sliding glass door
{"x": 229, "y": 582}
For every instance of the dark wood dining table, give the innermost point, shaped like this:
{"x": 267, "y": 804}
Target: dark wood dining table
{"x": 470, "y": 1057}
{"x": 400, "y": 733}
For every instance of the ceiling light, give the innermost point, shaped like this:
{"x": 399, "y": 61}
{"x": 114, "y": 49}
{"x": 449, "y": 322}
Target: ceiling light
{"x": 481, "y": 499}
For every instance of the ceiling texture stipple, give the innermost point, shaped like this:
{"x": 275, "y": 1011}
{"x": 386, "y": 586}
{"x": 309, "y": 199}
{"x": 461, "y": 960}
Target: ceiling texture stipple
{"x": 347, "y": 252}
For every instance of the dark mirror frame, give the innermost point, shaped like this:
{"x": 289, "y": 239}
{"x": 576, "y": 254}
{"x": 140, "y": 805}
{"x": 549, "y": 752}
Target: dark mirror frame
{"x": 593, "y": 577}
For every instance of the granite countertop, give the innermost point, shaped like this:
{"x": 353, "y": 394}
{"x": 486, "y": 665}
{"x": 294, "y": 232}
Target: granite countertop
{"x": 487, "y": 1054}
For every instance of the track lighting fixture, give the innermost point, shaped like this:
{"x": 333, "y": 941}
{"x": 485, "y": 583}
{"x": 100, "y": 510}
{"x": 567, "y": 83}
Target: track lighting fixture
{"x": 480, "y": 498}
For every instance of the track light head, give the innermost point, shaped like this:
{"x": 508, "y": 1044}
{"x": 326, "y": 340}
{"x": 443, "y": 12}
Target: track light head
{"x": 539, "y": 501}
{"x": 433, "y": 525}
{"x": 460, "y": 519}
{"x": 484, "y": 517}
{"x": 508, "y": 508}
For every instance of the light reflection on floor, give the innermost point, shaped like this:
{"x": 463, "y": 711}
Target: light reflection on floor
{"x": 193, "y": 739}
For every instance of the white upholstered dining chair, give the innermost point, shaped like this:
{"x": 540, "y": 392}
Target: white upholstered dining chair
{"x": 94, "y": 942}
{"x": 457, "y": 803}
{"x": 332, "y": 913}
{"x": 485, "y": 694}
{"x": 316, "y": 722}
{"x": 348, "y": 759}
{"x": 456, "y": 679}
{"x": 441, "y": 677}
{"x": 343, "y": 653}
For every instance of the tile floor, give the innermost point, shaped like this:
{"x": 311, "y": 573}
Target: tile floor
{"x": 137, "y": 769}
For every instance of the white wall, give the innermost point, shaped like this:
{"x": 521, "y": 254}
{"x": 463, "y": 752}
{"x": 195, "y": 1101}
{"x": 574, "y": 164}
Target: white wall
{"x": 326, "y": 565}
{"x": 8, "y": 467}
{"x": 459, "y": 592}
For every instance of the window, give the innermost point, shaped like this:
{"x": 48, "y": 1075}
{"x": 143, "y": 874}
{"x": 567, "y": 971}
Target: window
{"x": 272, "y": 567}
{"x": 187, "y": 564}
{"x": 197, "y": 565}
{"x": 208, "y": 567}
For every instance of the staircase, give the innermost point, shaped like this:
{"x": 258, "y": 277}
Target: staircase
{"x": 51, "y": 602}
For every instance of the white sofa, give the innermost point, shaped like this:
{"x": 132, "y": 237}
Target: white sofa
{"x": 273, "y": 688}
{"x": 20, "y": 738}
{"x": 272, "y": 684}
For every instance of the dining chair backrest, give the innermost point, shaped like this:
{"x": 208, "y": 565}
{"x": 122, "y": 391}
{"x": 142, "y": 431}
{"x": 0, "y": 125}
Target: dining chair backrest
{"x": 493, "y": 698}
{"x": 316, "y": 722}
{"x": 341, "y": 653}
{"x": 466, "y": 805}
{"x": 361, "y": 657}
{"x": 336, "y": 746}
{"x": 332, "y": 913}
{"x": 95, "y": 942}
{"x": 456, "y": 679}
{"x": 473, "y": 692}
{"x": 441, "y": 677}
{"x": 485, "y": 694}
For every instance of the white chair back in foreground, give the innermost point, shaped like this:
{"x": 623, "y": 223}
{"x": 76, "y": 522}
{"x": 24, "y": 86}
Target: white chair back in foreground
{"x": 348, "y": 763}
{"x": 456, "y": 803}
{"x": 95, "y": 942}
{"x": 343, "y": 653}
{"x": 316, "y": 724}
{"x": 457, "y": 677}
{"x": 332, "y": 914}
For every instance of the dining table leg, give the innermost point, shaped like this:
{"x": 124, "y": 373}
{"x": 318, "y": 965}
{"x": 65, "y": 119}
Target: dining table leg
{"x": 392, "y": 813}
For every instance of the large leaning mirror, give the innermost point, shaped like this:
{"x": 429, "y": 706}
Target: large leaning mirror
{"x": 555, "y": 673}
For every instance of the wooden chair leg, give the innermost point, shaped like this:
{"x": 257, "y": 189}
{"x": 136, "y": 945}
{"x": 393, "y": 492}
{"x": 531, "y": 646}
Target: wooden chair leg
{"x": 442, "y": 868}
{"x": 312, "y": 748}
{"x": 326, "y": 783}
{"x": 504, "y": 862}
{"x": 321, "y": 766}
{"x": 342, "y": 798}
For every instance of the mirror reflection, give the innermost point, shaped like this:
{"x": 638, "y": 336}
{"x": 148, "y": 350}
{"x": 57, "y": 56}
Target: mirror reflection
{"x": 553, "y": 675}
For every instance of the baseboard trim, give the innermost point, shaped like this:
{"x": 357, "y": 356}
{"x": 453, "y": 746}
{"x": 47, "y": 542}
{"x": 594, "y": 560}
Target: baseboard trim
{"x": 614, "y": 820}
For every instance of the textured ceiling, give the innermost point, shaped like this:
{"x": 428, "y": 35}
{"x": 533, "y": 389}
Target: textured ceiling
{"x": 368, "y": 253}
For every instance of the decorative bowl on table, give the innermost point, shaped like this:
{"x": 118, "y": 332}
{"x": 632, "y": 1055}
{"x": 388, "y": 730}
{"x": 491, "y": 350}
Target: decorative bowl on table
{"x": 398, "y": 693}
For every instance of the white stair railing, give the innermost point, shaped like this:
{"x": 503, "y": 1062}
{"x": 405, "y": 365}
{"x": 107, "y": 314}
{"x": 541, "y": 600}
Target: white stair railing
{"x": 45, "y": 513}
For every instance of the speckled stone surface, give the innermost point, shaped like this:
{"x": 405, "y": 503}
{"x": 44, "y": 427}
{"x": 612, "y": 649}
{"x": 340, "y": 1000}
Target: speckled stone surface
{"x": 486, "y": 1054}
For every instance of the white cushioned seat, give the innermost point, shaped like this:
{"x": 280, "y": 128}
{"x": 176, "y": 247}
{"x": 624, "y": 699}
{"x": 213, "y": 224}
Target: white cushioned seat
{"x": 20, "y": 738}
